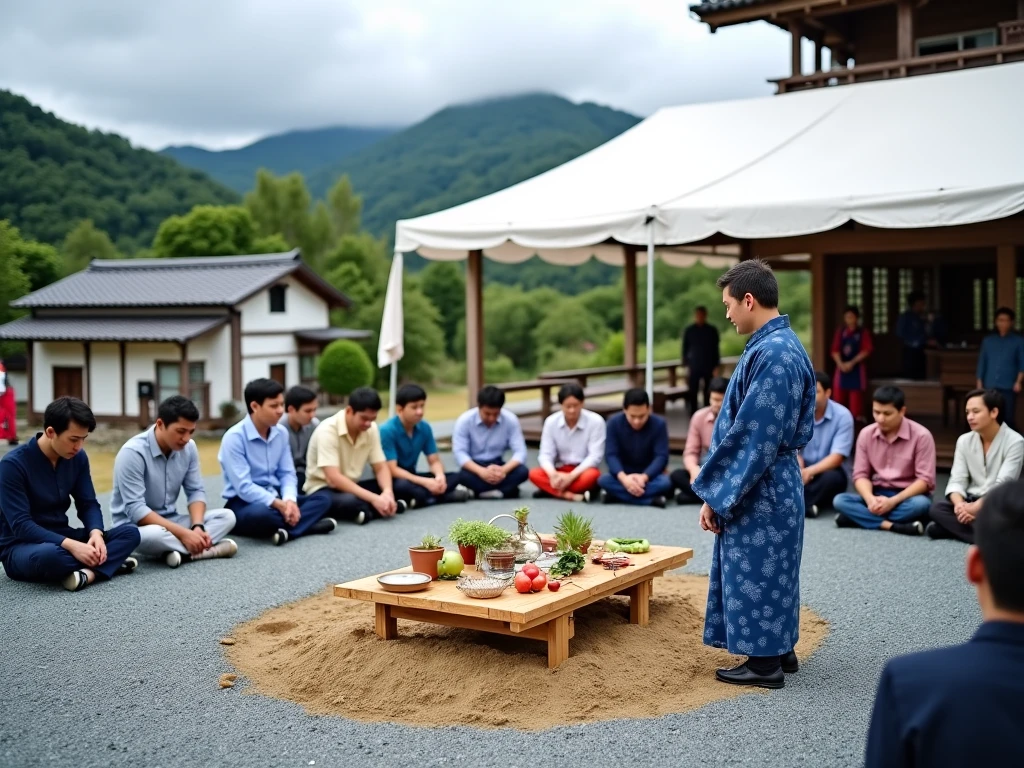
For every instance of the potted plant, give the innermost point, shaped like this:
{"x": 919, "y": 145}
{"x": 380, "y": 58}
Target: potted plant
{"x": 574, "y": 531}
{"x": 474, "y": 538}
{"x": 425, "y": 555}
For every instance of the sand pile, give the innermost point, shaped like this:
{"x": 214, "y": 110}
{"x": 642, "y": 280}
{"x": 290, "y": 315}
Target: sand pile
{"x": 322, "y": 653}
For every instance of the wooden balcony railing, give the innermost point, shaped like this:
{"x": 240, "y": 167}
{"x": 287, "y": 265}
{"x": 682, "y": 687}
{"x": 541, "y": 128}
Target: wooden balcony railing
{"x": 919, "y": 65}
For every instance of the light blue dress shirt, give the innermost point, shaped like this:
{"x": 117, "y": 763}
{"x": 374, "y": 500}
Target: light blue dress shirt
{"x": 256, "y": 469}
{"x": 833, "y": 434}
{"x": 147, "y": 481}
{"x": 472, "y": 440}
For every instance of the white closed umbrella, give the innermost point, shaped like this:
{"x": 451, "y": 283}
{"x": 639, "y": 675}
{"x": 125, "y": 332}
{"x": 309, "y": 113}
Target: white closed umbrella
{"x": 391, "y": 347}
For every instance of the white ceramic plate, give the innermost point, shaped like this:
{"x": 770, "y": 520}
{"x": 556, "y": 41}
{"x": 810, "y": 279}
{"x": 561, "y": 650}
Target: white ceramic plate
{"x": 404, "y": 582}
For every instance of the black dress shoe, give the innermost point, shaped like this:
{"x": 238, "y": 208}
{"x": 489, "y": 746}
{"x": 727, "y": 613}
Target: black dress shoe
{"x": 790, "y": 663}
{"x": 742, "y": 675}
{"x": 842, "y": 521}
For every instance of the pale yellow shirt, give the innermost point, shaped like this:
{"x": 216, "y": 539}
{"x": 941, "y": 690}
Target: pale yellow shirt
{"x": 332, "y": 446}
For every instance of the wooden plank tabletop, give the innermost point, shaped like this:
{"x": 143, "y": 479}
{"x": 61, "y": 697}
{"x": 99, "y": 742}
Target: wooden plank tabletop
{"x": 524, "y": 611}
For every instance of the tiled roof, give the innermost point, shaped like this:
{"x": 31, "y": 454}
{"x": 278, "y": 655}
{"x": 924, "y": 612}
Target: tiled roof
{"x": 180, "y": 328}
{"x": 203, "y": 281}
{"x": 331, "y": 334}
{"x": 710, "y": 6}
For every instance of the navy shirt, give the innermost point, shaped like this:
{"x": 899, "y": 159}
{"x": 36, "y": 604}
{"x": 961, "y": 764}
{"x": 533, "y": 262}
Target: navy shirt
{"x": 35, "y": 496}
{"x": 399, "y": 446}
{"x": 636, "y": 451}
{"x": 1001, "y": 360}
{"x": 700, "y": 348}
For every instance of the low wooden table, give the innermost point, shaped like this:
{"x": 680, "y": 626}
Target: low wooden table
{"x": 545, "y": 615}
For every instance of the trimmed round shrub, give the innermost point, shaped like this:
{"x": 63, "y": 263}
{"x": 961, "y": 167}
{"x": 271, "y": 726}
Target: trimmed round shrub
{"x": 343, "y": 367}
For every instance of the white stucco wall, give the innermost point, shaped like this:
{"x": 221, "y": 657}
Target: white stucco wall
{"x": 19, "y": 381}
{"x": 104, "y": 388}
{"x": 264, "y": 345}
{"x": 140, "y": 365}
{"x": 46, "y": 355}
{"x": 214, "y": 350}
{"x": 303, "y": 310}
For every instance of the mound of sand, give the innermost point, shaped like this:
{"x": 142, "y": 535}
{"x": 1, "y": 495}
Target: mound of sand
{"x": 322, "y": 653}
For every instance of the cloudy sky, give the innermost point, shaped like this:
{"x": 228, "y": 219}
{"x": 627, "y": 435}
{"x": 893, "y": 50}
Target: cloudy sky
{"x": 220, "y": 73}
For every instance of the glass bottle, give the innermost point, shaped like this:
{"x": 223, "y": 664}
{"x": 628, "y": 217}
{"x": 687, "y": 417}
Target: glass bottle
{"x": 525, "y": 540}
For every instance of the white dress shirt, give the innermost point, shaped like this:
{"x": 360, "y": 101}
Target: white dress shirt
{"x": 974, "y": 474}
{"x": 582, "y": 446}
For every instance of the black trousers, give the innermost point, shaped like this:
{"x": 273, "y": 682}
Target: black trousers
{"x": 942, "y": 513}
{"x": 409, "y": 491}
{"x": 825, "y": 487}
{"x": 685, "y": 495}
{"x": 347, "y": 506}
{"x": 695, "y": 380}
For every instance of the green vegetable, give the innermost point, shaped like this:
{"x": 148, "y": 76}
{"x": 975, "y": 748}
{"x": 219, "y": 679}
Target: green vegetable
{"x": 629, "y": 546}
{"x": 568, "y": 563}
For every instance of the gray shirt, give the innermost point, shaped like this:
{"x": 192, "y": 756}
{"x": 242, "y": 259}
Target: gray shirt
{"x": 145, "y": 480}
{"x": 299, "y": 441}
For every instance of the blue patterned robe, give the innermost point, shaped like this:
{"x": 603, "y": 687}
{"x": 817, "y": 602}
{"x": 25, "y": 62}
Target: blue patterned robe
{"x": 751, "y": 479}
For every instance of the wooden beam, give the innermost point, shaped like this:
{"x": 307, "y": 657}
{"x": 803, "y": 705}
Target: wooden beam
{"x": 474, "y": 324}
{"x": 236, "y": 356}
{"x": 629, "y": 312}
{"x": 819, "y": 316}
{"x": 31, "y": 378}
{"x": 780, "y": 9}
{"x": 87, "y": 378}
{"x": 817, "y": 56}
{"x": 183, "y": 371}
{"x": 124, "y": 378}
{"x": 1006, "y": 277}
{"x": 796, "y": 51}
{"x": 905, "y": 30}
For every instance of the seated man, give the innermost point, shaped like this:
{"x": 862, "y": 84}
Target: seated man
{"x": 259, "y": 477}
{"x": 698, "y": 442}
{"x": 571, "y": 449}
{"x": 962, "y": 705}
{"x": 480, "y": 439}
{"x": 825, "y": 460}
{"x": 300, "y": 420}
{"x": 404, "y": 437}
{"x": 149, "y": 472}
{"x": 990, "y": 454}
{"x": 339, "y": 451}
{"x": 38, "y": 480}
{"x": 636, "y": 449}
{"x": 893, "y": 472}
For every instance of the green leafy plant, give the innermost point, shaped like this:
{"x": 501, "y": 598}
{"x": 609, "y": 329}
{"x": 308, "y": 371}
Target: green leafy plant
{"x": 521, "y": 514}
{"x": 429, "y": 542}
{"x": 343, "y": 367}
{"x": 572, "y": 531}
{"x": 477, "y": 533}
{"x": 569, "y": 562}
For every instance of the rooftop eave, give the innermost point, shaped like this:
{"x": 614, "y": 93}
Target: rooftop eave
{"x": 778, "y": 12}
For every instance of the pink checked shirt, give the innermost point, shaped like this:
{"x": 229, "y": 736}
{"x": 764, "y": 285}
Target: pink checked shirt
{"x": 910, "y": 457}
{"x": 698, "y": 438}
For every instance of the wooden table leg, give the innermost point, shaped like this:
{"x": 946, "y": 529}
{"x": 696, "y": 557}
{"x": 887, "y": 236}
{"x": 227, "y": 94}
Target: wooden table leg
{"x": 385, "y": 625}
{"x": 558, "y": 640}
{"x": 640, "y": 603}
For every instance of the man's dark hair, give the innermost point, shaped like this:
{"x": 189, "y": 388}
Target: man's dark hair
{"x": 718, "y": 384}
{"x": 177, "y": 407}
{"x": 889, "y": 395}
{"x": 364, "y": 399}
{"x": 853, "y": 308}
{"x": 701, "y": 308}
{"x": 992, "y": 399}
{"x": 260, "y": 390}
{"x": 490, "y": 397}
{"x": 755, "y": 277}
{"x": 410, "y": 393}
{"x": 1006, "y": 311}
{"x": 296, "y": 397}
{"x": 913, "y": 297}
{"x": 61, "y": 412}
{"x": 570, "y": 390}
{"x": 635, "y": 396}
{"x": 822, "y": 378}
{"x": 999, "y": 534}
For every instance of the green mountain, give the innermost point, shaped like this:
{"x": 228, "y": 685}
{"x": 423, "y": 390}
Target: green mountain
{"x": 54, "y": 174}
{"x": 463, "y": 152}
{"x": 302, "y": 151}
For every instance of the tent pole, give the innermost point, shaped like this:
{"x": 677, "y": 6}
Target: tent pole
{"x": 394, "y": 389}
{"x": 650, "y": 309}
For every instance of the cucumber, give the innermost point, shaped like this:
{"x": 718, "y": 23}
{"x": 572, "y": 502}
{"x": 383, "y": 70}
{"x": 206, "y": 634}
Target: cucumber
{"x": 629, "y": 546}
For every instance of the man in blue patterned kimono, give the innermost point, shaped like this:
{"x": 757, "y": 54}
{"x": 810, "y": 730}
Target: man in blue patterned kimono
{"x": 751, "y": 486}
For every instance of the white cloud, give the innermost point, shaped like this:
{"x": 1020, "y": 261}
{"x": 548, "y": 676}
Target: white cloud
{"x": 224, "y": 72}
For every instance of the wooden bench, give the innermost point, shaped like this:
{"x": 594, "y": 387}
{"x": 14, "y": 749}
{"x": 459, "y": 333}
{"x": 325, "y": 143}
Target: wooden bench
{"x": 544, "y": 385}
{"x": 665, "y": 395}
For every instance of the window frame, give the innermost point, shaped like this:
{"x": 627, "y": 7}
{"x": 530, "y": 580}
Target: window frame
{"x": 280, "y": 290}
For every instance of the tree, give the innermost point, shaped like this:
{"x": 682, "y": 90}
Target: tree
{"x": 40, "y": 263}
{"x": 13, "y": 282}
{"x": 343, "y": 367}
{"x": 442, "y": 282}
{"x": 282, "y": 205}
{"x": 345, "y": 206}
{"x": 568, "y": 327}
{"x": 423, "y": 338}
{"x": 206, "y": 230}
{"x": 83, "y": 244}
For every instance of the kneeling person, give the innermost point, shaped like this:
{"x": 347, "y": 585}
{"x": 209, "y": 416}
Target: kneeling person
{"x": 38, "y": 480}
{"x": 404, "y": 437}
{"x": 698, "y": 442}
{"x": 339, "y": 451}
{"x": 636, "y": 449}
{"x": 259, "y": 476}
{"x": 149, "y": 473}
{"x": 571, "y": 449}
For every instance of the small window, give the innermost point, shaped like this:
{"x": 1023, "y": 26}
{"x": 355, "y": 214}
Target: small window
{"x": 965, "y": 41}
{"x": 277, "y": 298}
{"x": 1019, "y": 308}
{"x": 906, "y": 286}
{"x": 880, "y": 300}
{"x": 855, "y": 287}
{"x": 307, "y": 367}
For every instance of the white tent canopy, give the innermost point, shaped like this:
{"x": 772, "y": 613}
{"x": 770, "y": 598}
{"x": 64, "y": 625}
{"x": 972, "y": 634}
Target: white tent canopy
{"x": 936, "y": 150}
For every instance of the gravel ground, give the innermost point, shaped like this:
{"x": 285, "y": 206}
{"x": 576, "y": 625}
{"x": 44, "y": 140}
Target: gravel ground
{"x": 126, "y": 672}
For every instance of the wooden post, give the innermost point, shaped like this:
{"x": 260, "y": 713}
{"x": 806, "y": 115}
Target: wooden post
{"x": 817, "y": 56}
{"x": 1006, "y": 277}
{"x": 474, "y": 324}
{"x": 796, "y": 52}
{"x": 384, "y": 624}
{"x": 183, "y": 383}
{"x": 1020, "y": 9}
{"x": 640, "y": 603}
{"x": 819, "y": 317}
{"x": 236, "y": 356}
{"x": 558, "y": 640}
{"x": 124, "y": 379}
{"x": 30, "y": 379}
{"x": 629, "y": 322}
{"x": 87, "y": 378}
{"x": 905, "y": 30}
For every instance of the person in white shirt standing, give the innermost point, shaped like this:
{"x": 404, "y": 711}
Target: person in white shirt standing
{"x": 571, "y": 449}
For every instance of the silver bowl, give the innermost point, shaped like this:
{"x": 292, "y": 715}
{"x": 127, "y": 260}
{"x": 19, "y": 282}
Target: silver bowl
{"x": 482, "y": 588}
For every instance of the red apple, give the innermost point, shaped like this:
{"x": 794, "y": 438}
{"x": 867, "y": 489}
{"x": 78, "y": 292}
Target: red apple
{"x": 523, "y": 583}
{"x": 531, "y": 570}
{"x": 539, "y": 582}
{"x": 554, "y": 585}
